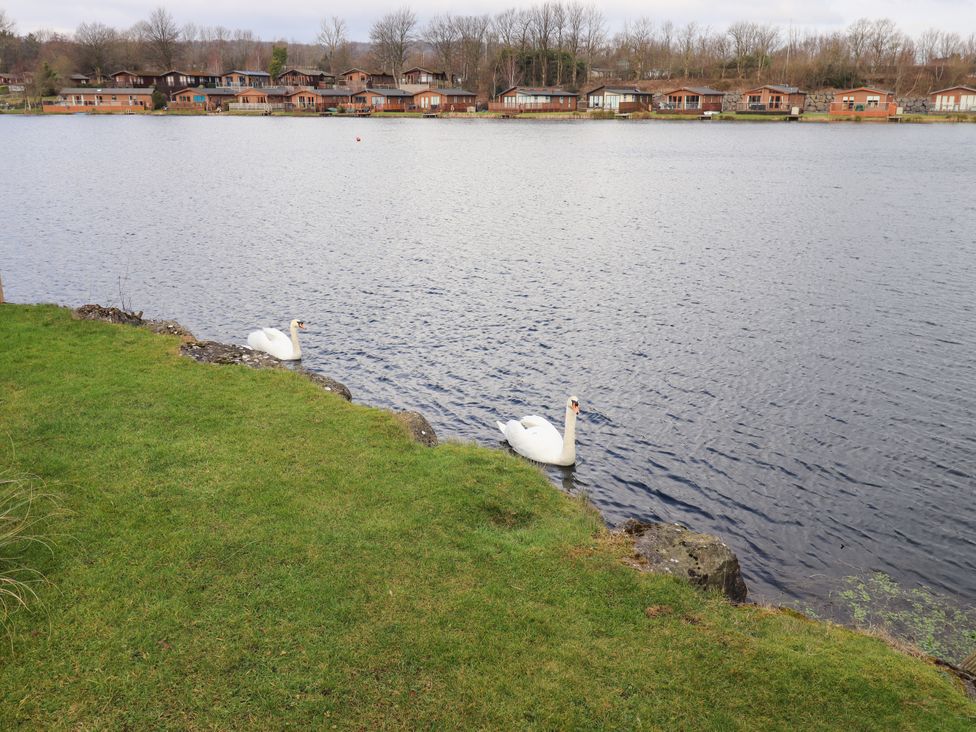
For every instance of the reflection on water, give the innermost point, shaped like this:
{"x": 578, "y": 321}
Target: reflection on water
{"x": 771, "y": 327}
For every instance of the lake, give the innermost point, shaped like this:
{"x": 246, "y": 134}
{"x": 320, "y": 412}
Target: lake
{"x": 770, "y": 327}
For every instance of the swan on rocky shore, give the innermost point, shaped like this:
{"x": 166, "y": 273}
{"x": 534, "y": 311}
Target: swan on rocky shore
{"x": 275, "y": 343}
{"x": 535, "y": 437}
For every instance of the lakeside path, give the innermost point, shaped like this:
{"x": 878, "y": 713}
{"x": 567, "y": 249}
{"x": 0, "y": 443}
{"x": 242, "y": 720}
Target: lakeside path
{"x": 245, "y": 550}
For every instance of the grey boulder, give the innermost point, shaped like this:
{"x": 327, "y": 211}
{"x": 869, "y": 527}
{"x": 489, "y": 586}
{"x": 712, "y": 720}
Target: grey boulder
{"x": 702, "y": 559}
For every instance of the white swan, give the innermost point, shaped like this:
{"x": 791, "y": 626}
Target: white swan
{"x": 276, "y": 343}
{"x": 536, "y": 439}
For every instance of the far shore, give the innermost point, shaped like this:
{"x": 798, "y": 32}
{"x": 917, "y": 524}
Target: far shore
{"x": 810, "y": 117}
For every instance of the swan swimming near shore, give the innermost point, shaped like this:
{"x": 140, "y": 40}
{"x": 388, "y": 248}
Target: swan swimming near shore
{"x": 275, "y": 343}
{"x": 535, "y": 437}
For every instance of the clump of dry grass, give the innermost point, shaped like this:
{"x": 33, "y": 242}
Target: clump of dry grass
{"x": 25, "y": 515}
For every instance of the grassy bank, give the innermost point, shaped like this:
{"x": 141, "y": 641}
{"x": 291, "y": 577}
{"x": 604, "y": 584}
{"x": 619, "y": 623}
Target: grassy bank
{"x": 245, "y": 550}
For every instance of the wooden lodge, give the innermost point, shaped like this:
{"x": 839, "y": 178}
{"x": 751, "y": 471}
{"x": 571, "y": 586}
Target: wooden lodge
{"x": 421, "y": 76}
{"x": 773, "y": 99}
{"x": 126, "y": 79}
{"x": 953, "y": 99}
{"x": 444, "y": 100}
{"x": 519, "y": 99}
{"x": 622, "y": 99}
{"x": 181, "y": 79}
{"x": 360, "y": 79}
{"x": 303, "y": 100}
{"x": 86, "y": 99}
{"x": 334, "y": 99}
{"x": 240, "y": 78}
{"x": 692, "y": 100}
{"x": 79, "y": 79}
{"x": 203, "y": 100}
{"x": 383, "y": 100}
{"x": 299, "y": 76}
{"x": 864, "y": 102}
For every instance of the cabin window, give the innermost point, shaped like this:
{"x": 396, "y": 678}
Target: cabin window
{"x": 873, "y": 102}
{"x": 755, "y": 99}
{"x": 692, "y": 101}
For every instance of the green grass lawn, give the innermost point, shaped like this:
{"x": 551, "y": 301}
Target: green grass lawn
{"x": 242, "y": 549}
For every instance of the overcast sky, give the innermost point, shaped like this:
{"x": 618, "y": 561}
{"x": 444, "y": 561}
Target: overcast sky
{"x": 298, "y": 20}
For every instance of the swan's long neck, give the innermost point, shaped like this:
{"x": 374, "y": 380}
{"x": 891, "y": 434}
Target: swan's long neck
{"x": 569, "y": 439}
{"x": 296, "y": 349}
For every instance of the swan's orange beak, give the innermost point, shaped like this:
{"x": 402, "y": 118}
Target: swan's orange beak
{"x": 301, "y": 324}
{"x": 576, "y": 408}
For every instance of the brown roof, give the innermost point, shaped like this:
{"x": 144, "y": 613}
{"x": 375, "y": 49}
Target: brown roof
{"x": 705, "y": 91}
{"x": 953, "y": 88}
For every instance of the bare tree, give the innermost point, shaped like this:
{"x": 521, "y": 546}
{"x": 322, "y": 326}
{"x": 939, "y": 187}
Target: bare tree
{"x": 6, "y": 24}
{"x": 6, "y": 37}
{"x": 858, "y": 35}
{"x": 687, "y": 44}
{"x": 392, "y": 36}
{"x": 332, "y": 37}
{"x": 594, "y": 37}
{"x": 472, "y": 33}
{"x": 765, "y": 39}
{"x": 559, "y": 37}
{"x": 511, "y": 27}
{"x": 638, "y": 39}
{"x": 742, "y": 36}
{"x": 667, "y": 45}
{"x": 243, "y": 50}
{"x": 96, "y": 46}
{"x": 543, "y": 29}
{"x": 881, "y": 42}
{"x": 161, "y": 34}
{"x": 443, "y": 35}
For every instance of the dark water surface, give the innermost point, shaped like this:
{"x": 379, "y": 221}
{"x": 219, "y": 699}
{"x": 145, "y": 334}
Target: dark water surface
{"x": 771, "y": 328}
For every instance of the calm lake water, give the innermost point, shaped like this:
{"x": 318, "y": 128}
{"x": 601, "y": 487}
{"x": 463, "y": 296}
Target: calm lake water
{"x": 771, "y": 328}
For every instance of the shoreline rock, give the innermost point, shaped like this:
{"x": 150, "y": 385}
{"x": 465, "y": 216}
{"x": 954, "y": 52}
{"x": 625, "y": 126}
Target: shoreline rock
{"x": 418, "y": 427}
{"x": 224, "y": 354}
{"x": 702, "y": 559}
{"x": 108, "y": 315}
{"x": 169, "y": 327}
{"x": 336, "y": 387}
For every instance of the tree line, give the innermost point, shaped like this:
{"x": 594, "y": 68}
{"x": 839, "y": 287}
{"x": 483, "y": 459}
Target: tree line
{"x": 568, "y": 44}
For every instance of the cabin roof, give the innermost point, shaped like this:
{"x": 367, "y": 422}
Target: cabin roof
{"x": 620, "y": 90}
{"x": 705, "y": 91}
{"x": 185, "y": 73}
{"x": 865, "y": 88}
{"x": 450, "y": 92}
{"x": 781, "y": 88}
{"x": 389, "y": 92}
{"x": 246, "y": 73}
{"x": 306, "y": 70}
{"x": 539, "y": 91}
{"x": 134, "y": 73}
{"x": 953, "y": 88}
{"x": 217, "y": 92}
{"x": 105, "y": 90}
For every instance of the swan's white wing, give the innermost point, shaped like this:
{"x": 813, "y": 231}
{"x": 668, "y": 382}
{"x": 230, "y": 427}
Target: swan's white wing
{"x": 540, "y": 441}
{"x": 534, "y": 421}
{"x": 271, "y": 341}
{"x": 258, "y": 340}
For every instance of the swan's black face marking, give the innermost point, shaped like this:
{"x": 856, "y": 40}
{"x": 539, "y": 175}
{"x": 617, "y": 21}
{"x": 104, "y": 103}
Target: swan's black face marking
{"x": 575, "y": 405}
{"x": 301, "y": 324}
